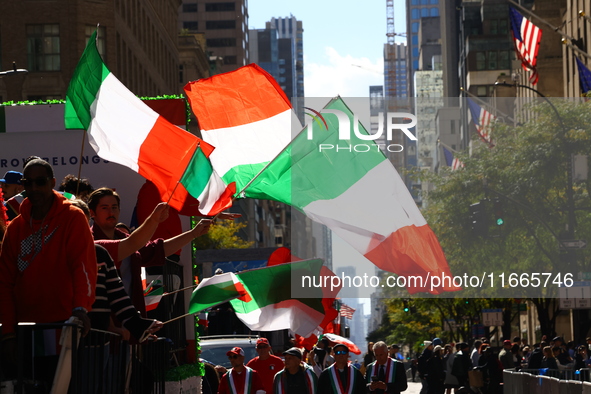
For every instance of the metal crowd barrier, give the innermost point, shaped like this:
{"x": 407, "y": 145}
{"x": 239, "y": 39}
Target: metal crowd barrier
{"x": 99, "y": 363}
{"x": 546, "y": 381}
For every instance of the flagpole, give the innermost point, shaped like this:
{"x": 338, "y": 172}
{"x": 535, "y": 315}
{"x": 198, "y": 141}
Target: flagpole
{"x": 179, "y": 290}
{"x": 183, "y": 174}
{"x": 556, "y": 29}
{"x": 487, "y": 105}
{"x": 446, "y": 146}
{"x": 84, "y": 134}
{"x": 180, "y": 317}
{"x": 271, "y": 161}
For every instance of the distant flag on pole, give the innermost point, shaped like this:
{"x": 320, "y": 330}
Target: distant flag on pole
{"x": 153, "y": 293}
{"x": 347, "y": 311}
{"x": 526, "y": 37}
{"x": 482, "y": 119}
{"x": 584, "y": 76}
{"x": 451, "y": 160}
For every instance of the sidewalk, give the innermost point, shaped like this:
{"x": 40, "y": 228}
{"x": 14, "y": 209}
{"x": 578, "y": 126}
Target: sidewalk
{"x": 413, "y": 388}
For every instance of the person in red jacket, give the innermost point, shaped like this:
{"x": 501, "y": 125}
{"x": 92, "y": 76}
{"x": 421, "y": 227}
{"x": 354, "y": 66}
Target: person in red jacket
{"x": 240, "y": 379}
{"x": 266, "y": 364}
{"x": 48, "y": 268}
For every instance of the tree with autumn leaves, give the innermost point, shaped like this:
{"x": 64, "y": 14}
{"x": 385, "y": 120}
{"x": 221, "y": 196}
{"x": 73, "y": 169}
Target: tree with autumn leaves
{"x": 523, "y": 179}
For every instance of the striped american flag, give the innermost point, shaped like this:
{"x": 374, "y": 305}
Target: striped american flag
{"x": 482, "y": 119}
{"x": 451, "y": 160}
{"x": 347, "y": 311}
{"x": 526, "y": 37}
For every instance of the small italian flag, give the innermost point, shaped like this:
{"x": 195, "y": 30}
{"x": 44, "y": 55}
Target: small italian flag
{"x": 215, "y": 290}
{"x": 124, "y": 130}
{"x": 153, "y": 294}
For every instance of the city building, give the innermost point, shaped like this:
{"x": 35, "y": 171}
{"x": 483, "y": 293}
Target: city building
{"x": 415, "y": 10}
{"x": 225, "y": 24}
{"x": 138, "y": 42}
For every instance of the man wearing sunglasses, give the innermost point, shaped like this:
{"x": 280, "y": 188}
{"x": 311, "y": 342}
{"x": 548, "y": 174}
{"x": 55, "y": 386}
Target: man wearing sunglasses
{"x": 48, "y": 268}
{"x": 386, "y": 374}
{"x": 266, "y": 364}
{"x": 341, "y": 377}
{"x": 240, "y": 379}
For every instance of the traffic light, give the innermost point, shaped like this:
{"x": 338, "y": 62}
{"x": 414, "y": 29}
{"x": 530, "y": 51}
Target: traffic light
{"x": 478, "y": 219}
{"x": 498, "y": 207}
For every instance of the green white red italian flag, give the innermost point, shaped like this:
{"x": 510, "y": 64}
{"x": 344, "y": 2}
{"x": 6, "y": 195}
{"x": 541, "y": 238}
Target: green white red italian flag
{"x": 216, "y": 290}
{"x": 246, "y": 116}
{"x": 266, "y": 299}
{"x": 278, "y": 299}
{"x": 359, "y": 195}
{"x": 124, "y": 130}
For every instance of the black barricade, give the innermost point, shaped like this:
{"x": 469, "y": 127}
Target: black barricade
{"x": 149, "y": 363}
{"x": 99, "y": 363}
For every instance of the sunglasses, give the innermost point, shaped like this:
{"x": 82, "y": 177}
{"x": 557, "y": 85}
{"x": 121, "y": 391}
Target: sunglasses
{"x": 262, "y": 346}
{"x": 341, "y": 352}
{"x": 40, "y": 182}
{"x": 233, "y": 357}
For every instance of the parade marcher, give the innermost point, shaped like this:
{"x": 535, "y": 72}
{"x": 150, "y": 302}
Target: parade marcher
{"x": 266, "y": 364}
{"x": 297, "y": 377}
{"x": 322, "y": 358}
{"x": 340, "y": 377}
{"x": 475, "y": 354}
{"x": 240, "y": 379}
{"x": 386, "y": 374}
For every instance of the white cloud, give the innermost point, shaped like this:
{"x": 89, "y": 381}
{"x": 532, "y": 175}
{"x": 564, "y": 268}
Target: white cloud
{"x": 342, "y": 75}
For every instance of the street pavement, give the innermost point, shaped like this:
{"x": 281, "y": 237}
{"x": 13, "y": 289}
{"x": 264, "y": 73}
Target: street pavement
{"x": 413, "y": 388}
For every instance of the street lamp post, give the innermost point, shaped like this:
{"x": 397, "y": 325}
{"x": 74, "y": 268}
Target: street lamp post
{"x": 15, "y": 86}
{"x": 570, "y": 230}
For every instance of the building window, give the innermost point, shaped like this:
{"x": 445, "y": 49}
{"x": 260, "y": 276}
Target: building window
{"x": 230, "y": 60}
{"x": 216, "y": 25}
{"x": 415, "y": 13}
{"x": 480, "y": 61}
{"x": 424, "y": 12}
{"x": 190, "y": 7}
{"x": 216, "y": 7}
{"x": 492, "y": 60}
{"x": 221, "y": 42}
{"x": 482, "y": 91}
{"x": 43, "y": 47}
{"x": 434, "y": 12}
{"x": 191, "y": 26}
{"x": 101, "y": 37}
{"x": 414, "y": 27}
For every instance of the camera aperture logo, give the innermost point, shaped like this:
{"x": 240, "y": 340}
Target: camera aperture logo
{"x": 393, "y": 120}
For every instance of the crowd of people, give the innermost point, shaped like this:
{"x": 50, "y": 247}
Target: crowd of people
{"x": 54, "y": 265}
{"x": 325, "y": 369}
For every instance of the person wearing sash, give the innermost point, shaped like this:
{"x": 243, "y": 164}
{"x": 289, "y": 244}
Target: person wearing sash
{"x": 341, "y": 377}
{"x": 240, "y": 379}
{"x": 296, "y": 377}
{"x": 385, "y": 375}
{"x": 266, "y": 364}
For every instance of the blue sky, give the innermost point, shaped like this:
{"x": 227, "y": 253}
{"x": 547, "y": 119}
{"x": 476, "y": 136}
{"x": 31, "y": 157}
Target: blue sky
{"x": 338, "y": 37}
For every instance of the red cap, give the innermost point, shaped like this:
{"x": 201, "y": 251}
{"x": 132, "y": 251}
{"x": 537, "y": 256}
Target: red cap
{"x": 507, "y": 342}
{"x": 262, "y": 341}
{"x": 237, "y": 351}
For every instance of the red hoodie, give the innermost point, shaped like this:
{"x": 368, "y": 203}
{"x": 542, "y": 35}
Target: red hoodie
{"x": 47, "y": 267}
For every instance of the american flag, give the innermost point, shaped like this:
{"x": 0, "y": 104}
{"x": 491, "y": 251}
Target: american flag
{"x": 584, "y": 76}
{"x": 451, "y": 160}
{"x": 347, "y": 311}
{"x": 482, "y": 119}
{"x": 526, "y": 37}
